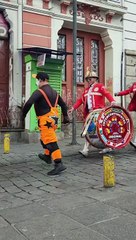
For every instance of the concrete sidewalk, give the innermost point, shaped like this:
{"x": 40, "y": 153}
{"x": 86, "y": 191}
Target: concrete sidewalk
{"x": 65, "y": 145}
{"x": 74, "y": 205}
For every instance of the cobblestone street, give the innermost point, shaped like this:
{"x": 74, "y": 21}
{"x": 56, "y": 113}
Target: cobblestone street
{"x": 74, "y": 205}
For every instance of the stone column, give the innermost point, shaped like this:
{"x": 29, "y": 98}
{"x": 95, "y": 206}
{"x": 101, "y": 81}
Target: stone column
{"x": 113, "y": 49}
{"x": 56, "y": 26}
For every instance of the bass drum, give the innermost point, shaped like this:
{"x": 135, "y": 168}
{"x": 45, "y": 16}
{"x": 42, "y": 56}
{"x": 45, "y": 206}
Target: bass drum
{"x": 111, "y": 127}
{"x": 90, "y": 130}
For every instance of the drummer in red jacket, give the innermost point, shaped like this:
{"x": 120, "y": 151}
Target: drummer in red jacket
{"x": 92, "y": 98}
{"x": 132, "y": 91}
{"x": 132, "y": 105}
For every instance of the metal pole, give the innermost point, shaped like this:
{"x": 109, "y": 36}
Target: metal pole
{"x": 74, "y": 69}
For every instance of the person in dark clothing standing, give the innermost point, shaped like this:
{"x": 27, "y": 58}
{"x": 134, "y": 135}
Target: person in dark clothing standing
{"x": 45, "y": 100}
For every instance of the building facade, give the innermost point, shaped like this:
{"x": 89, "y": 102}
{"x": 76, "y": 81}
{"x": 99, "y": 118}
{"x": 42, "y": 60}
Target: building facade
{"x": 100, "y": 45}
{"x": 129, "y": 46}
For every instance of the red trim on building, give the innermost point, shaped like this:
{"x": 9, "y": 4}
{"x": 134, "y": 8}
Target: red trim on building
{"x": 36, "y": 30}
{"x": 109, "y": 16}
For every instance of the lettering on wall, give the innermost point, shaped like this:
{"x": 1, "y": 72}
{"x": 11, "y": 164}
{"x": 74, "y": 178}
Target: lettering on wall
{"x": 89, "y": 13}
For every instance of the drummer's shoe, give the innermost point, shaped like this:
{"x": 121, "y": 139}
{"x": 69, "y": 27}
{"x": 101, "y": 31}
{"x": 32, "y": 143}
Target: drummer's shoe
{"x": 106, "y": 150}
{"x": 85, "y": 150}
{"x": 84, "y": 153}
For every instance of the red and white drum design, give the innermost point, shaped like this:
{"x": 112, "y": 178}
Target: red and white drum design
{"x": 115, "y": 127}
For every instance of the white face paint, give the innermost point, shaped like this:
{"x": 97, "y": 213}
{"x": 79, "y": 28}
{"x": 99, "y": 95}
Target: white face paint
{"x": 37, "y": 82}
{"x": 92, "y": 81}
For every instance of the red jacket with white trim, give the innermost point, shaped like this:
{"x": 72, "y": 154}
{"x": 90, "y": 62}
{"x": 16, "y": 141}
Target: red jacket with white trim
{"x": 98, "y": 93}
{"x": 132, "y": 92}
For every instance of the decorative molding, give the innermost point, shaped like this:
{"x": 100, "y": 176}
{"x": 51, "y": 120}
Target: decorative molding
{"x": 46, "y": 4}
{"x": 87, "y": 10}
{"x": 29, "y": 2}
{"x": 107, "y": 40}
{"x": 32, "y": 9}
{"x": 105, "y": 5}
{"x": 130, "y": 52}
{"x": 8, "y": 5}
{"x": 89, "y": 13}
{"x": 109, "y": 16}
{"x": 64, "y": 5}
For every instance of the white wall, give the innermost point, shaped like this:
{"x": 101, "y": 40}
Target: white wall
{"x": 113, "y": 49}
{"x": 130, "y": 49}
{"x": 130, "y": 25}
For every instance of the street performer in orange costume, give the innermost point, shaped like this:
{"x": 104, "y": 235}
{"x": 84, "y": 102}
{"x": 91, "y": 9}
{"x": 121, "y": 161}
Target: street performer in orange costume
{"x": 45, "y": 99}
{"x": 92, "y": 98}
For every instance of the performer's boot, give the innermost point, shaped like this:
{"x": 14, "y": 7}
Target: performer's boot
{"x": 58, "y": 168}
{"x": 45, "y": 158}
{"x": 85, "y": 150}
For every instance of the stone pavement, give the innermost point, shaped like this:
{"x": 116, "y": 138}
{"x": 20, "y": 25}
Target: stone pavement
{"x": 72, "y": 206}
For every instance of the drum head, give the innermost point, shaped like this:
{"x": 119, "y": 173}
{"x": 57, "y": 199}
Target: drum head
{"x": 115, "y": 127}
{"x": 90, "y": 129}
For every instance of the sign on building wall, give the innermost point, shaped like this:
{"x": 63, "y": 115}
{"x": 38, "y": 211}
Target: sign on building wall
{"x": 41, "y": 60}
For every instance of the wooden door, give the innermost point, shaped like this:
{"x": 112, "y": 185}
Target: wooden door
{"x": 4, "y": 82}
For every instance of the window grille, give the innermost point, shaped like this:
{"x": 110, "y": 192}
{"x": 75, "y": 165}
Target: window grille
{"x": 80, "y": 62}
{"x": 95, "y": 56}
{"x": 61, "y": 46}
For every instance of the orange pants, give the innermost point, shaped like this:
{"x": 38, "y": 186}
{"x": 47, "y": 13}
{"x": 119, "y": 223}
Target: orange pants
{"x": 48, "y": 136}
